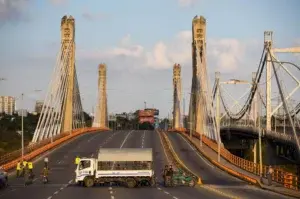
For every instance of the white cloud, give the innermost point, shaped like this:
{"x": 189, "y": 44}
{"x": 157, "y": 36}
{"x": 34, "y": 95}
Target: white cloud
{"x": 226, "y": 55}
{"x": 186, "y": 3}
{"x": 12, "y": 10}
{"x": 59, "y": 2}
{"x": 93, "y": 16}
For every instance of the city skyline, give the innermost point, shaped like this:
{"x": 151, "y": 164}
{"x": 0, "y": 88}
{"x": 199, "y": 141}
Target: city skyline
{"x": 139, "y": 55}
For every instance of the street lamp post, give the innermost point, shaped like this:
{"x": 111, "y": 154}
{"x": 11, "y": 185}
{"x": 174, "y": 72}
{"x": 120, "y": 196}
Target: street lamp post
{"x": 22, "y": 126}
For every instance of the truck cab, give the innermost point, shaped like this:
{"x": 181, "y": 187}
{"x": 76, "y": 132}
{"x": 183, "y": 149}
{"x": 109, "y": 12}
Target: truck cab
{"x": 86, "y": 167}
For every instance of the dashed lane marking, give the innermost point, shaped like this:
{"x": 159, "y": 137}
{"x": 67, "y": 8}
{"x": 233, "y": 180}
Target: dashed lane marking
{"x": 167, "y": 193}
{"x": 111, "y": 192}
{"x": 143, "y": 139}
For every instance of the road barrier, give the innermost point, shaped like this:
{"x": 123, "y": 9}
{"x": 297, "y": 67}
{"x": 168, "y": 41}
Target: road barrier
{"x": 11, "y": 159}
{"x": 287, "y": 179}
{"x": 175, "y": 159}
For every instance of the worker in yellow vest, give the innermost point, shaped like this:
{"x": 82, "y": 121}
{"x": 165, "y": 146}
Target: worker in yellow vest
{"x": 18, "y": 169}
{"x": 77, "y": 160}
{"x": 24, "y": 166}
{"x": 30, "y": 167}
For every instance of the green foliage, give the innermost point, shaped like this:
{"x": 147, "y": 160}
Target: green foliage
{"x": 10, "y": 139}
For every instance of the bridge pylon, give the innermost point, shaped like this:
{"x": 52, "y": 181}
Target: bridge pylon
{"x": 199, "y": 80}
{"x": 62, "y": 109}
{"x": 176, "y": 96}
{"x": 101, "y": 115}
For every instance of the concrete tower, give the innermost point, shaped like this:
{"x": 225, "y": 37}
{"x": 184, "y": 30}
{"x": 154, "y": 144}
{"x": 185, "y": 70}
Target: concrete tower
{"x": 68, "y": 58}
{"x": 176, "y": 96}
{"x": 101, "y": 117}
{"x": 199, "y": 79}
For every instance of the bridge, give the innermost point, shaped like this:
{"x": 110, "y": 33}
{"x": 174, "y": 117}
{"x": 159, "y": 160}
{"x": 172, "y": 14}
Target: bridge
{"x": 61, "y": 134}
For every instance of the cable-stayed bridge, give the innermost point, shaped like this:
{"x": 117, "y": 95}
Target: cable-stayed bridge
{"x": 199, "y": 146}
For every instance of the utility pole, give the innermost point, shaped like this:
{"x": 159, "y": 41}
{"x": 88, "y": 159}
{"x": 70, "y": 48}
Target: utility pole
{"x": 22, "y": 126}
{"x": 145, "y": 105}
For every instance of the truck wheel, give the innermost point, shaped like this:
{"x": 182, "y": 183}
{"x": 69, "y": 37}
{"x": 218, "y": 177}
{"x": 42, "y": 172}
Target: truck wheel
{"x": 89, "y": 182}
{"x": 130, "y": 182}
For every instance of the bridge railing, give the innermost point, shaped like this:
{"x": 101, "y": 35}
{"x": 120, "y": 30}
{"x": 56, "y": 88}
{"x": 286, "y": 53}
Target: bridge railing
{"x": 34, "y": 146}
{"x": 285, "y": 178}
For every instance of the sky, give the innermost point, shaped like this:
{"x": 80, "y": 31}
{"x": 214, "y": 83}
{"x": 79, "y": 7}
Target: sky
{"x": 139, "y": 41}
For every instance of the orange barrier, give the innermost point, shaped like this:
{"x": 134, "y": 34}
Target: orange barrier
{"x": 289, "y": 180}
{"x": 66, "y": 136}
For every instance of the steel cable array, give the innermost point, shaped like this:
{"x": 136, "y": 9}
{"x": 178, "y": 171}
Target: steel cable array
{"x": 52, "y": 114}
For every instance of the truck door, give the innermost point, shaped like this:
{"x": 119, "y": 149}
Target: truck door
{"x": 85, "y": 168}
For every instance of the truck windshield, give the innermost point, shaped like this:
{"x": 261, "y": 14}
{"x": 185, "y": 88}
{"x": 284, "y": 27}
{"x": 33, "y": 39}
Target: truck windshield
{"x": 136, "y": 165}
{"x": 84, "y": 164}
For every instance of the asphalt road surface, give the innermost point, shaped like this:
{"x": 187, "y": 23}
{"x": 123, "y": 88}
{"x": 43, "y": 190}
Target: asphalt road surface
{"x": 62, "y": 167}
{"x": 213, "y": 177}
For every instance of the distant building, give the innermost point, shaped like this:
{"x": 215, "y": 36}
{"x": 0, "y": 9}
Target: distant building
{"x": 38, "y": 106}
{"x": 7, "y": 105}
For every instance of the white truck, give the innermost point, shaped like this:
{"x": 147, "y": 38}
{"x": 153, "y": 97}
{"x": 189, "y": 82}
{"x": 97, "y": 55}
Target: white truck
{"x": 129, "y": 166}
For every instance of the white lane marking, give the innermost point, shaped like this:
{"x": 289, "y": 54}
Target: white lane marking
{"x": 197, "y": 152}
{"x": 70, "y": 181}
{"x": 109, "y": 188}
{"x": 49, "y": 197}
{"x": 143, "y": 139}
{"x": 111, "y": 192}
{"x": 112, "y": 197}
{"x": 56, "y": 192}
{"x": 167, "y": 193}
{"x": 125, "y": 139}
{"x": 61, "y": 188}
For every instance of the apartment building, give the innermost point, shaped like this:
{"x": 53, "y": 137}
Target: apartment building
{"x": 7, "y": 105}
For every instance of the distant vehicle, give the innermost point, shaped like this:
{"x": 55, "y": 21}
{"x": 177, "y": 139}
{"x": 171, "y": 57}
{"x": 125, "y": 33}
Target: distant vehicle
{"x": 3, "y": 178}
{"x": 132, "y": 167}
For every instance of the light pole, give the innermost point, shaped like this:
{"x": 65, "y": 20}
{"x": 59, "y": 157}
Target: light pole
{"x": 22, "y": 124}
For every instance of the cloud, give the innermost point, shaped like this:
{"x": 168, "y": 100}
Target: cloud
{"x": 58, "y": 2}
{"x": 186, "y": 3}
{"x": 12, "y": 10}
{"x": 226, "y": 55}
{"x": 92, "y": 16}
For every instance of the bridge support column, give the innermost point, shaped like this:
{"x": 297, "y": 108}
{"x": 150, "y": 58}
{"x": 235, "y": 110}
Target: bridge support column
{"x": 68, "y": 50}
{"x": 101, "y": 116}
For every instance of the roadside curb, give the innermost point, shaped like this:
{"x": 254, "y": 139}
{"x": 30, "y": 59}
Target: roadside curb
{"x": 222, "y": 167}
{"x": 12, "y": 164}
{"x": 176, "y": 158}
{"x": 237, "y": 174}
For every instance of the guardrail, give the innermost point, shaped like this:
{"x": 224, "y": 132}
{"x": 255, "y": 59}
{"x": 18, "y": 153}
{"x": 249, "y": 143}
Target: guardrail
{"x": 175, "y": 159}
{"x": 287, "y": 179}
{"x": 10, "y": 160}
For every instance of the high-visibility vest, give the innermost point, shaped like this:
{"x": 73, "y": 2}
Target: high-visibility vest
{"x": 24, "y": 163}
{"x": 30, "y": 165}
{"x": 19, "y": 166}
{"x": 77, "y": 160}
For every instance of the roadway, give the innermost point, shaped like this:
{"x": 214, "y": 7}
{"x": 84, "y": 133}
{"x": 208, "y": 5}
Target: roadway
{"x": 62, "y": 171}
{"x": 212, "y": 176}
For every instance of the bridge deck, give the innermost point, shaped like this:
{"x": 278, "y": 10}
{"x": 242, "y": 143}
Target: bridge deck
{"x": 276, "y": 187}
